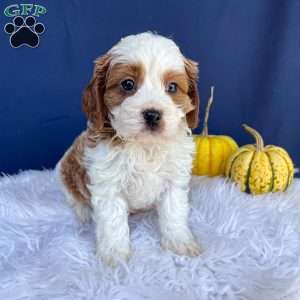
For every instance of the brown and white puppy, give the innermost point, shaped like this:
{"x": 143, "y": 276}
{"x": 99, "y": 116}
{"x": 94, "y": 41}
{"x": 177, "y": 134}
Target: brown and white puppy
{"x": 137, "y": 150}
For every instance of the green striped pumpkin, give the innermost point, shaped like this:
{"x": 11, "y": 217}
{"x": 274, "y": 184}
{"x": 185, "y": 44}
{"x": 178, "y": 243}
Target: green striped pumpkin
{"x": 259, "y": 169}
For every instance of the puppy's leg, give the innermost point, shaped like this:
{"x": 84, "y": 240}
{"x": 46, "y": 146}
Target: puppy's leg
{"x": 112, "y": 230}
{"x": 173, "y": 211}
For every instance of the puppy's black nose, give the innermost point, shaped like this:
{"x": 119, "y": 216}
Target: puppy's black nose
{"x": 152, "y": 117}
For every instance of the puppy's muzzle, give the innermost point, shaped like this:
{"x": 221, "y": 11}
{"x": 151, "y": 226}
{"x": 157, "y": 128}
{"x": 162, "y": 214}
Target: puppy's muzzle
{"x": 152, "y": 118}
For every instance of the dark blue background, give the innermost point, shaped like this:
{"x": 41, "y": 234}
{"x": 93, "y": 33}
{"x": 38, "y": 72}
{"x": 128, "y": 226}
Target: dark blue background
{"x": 250, "y": 50}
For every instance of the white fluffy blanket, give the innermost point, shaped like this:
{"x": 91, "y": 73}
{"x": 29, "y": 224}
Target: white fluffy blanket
{"x": 251, "y": 247}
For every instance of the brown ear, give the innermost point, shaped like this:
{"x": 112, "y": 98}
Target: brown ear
{"x": 191, "y": 69}
{"x": 93, "y": 96}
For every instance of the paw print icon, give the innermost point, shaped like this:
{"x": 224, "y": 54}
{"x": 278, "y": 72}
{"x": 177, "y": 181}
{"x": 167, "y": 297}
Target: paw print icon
{"x": 24, "y": 32}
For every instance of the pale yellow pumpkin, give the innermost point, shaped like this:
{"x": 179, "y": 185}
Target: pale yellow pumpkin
{"x": 212, "y": 151}
{"x": 258, "y": 169}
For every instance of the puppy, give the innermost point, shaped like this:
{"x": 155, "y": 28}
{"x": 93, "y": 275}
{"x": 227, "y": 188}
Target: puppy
{"x": 137, "y": 150}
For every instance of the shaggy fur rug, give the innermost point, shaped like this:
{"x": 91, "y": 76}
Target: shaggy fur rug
{"x": 251, "y": 247}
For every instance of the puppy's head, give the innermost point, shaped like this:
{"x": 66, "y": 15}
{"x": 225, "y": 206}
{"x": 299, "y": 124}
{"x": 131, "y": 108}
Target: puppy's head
{"x": 143, "y": 88}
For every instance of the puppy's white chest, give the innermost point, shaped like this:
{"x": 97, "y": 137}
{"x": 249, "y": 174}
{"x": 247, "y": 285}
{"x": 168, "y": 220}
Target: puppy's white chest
{"x": 139, "y": 174}
{"x": 144, "y": 183}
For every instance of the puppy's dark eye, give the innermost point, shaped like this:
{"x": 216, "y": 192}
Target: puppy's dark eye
{"x": 127, "y": 85}
{"x": 172, "y": 87}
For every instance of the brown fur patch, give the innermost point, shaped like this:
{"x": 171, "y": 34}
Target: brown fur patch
{"x": 191, "y": 69}
{"x": 72, "y": 169}
{"x": 93, "y": 96}
{"x": 114, "y": 94}
{"x": 104, "y": 92}
{"x": 180, "y": 97}
{"x": 73, "y": 172}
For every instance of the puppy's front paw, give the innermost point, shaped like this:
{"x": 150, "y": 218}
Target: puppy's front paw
{"x": 187, "y": 247}
{"x": 113, "y": 257}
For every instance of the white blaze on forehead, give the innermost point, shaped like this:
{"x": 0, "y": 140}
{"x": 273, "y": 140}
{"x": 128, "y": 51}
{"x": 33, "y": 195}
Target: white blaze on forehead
{"x": 155, "y": 52}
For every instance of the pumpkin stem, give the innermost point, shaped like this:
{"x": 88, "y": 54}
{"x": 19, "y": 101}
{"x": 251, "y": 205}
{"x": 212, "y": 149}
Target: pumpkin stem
{"x": 207, "y": 110}
{"x": 257, "y": 136}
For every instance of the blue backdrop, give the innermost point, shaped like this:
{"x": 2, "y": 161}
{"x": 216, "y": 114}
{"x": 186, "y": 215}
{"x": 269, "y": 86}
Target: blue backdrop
{"x": 248, "y": 49}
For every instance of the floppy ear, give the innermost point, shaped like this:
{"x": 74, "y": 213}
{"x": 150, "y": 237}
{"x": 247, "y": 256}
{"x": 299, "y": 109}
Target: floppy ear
{"x": 93, "y": 96}
{"x": 191, "y": 69}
